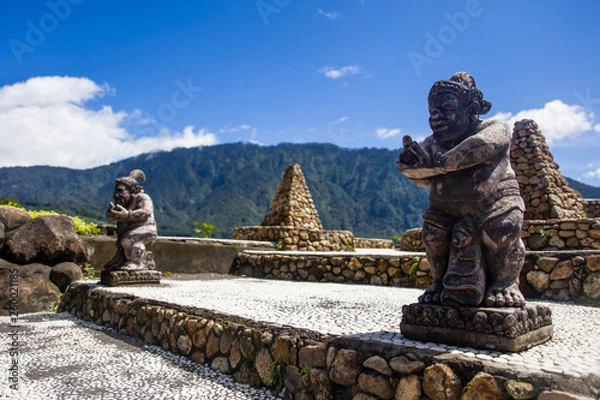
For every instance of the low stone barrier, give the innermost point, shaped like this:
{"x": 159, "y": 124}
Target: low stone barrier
{"x": 376, "y": 269}
{"x": 362, "y": 243}
{"x": 302, "y": 364}
{"x": 591, "y": 207}
{"x": 552, "y": 234}
{"x": 298, "y": 239}
{"x": 561, "y": 234}
{"x": 562, "y": 275}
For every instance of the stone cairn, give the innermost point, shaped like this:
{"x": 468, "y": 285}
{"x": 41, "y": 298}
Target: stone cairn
{"x": 293, "y": 204}
{"x": 292, "y": 221}
{"x": 546, "y": 192}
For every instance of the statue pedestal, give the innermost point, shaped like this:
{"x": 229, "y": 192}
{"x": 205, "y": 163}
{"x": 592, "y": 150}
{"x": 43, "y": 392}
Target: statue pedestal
{"x": 121, "y": 277}
{"x": 502, "y": 329}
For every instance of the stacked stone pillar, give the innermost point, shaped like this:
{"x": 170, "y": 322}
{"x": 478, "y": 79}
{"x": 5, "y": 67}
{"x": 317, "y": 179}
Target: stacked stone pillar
{"x": 546, "y": 192}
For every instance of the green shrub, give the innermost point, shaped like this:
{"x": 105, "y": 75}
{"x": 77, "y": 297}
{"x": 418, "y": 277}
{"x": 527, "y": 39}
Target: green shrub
{"x": 205, "y": 229}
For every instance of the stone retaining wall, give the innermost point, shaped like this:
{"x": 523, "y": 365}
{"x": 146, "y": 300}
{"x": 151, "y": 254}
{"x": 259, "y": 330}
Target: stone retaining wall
{"x": 591, "y": 207}
{"x": 538, "y": 235}
{"x": 302, "y": 364}
{"x": 298, "y": 239}
{"x": 563, "y": 275}
{"x": 553, "y": 234}
{"x": 404, "y": 271}
{"x": 362, "y": 243}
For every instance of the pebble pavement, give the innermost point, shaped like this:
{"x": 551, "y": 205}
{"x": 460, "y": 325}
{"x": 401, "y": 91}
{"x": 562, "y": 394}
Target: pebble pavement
{"x": 62, "y": 357}
{"x": 51, "y": 344}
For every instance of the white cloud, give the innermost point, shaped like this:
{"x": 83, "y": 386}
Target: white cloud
{"x": 592, "y": 174}
{"x": 229, "y": 129}
{"x": 385, "y": 133}
{"x": 44, "y": 121}
{"x": 340, "y": 120}
{"x": 332, "y": 73}
{"x": 556, "y": 120}
{"x": 332, "y": 15}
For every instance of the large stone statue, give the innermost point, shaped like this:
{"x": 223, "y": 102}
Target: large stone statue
{"x": 472, "y": 229}
{"x": 136, "y": 228}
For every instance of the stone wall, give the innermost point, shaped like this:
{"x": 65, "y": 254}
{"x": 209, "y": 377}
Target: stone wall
{"x": 563, "y": 275}
{"x": 538, "y": 235}
{"x": 407, "y": 271}
{"x": 303, "y": 364}
{"x": 591, "y": 207}
{"x": 362, "y": 243}
{"x": 564, "y": 234}
{"x": 297, "y": 239}
{"x": 411, "y": 240}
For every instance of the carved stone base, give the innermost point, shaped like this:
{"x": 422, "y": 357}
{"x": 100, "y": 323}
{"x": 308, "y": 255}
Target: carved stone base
{"x": 503, "y": 329}
{"x": 121, "y": 277}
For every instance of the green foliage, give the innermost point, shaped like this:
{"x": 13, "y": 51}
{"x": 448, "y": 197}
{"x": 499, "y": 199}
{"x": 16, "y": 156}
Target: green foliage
{"x": 305, "y": 371}
{"x": 346, "y": 243}
{"x": 412, "y": 272}
{"x": 205, "y": 229}
{"x": 88, "y": 271}
{"x": 277, "y": 375}
{"x": 396, "y": 239}
{"x": 279, "y": 245}
{"x": 11, "y": 203}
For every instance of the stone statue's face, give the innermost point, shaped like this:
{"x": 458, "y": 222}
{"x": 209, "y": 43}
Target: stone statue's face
{"x": 448, "y": 118}
{"x": 122, "y": 195}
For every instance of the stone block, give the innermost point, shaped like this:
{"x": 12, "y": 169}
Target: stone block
{"x": 502, "y": 329}
{"x": 120, "y": 277}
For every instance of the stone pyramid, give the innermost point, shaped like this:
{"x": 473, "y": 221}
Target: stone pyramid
{"x": 293, "y": 205}
{"x": 546, "y": 192}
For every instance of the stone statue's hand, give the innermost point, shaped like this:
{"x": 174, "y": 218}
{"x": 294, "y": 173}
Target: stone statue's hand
{"x": 117, "y": 213}
{"x": 407, "y": 156}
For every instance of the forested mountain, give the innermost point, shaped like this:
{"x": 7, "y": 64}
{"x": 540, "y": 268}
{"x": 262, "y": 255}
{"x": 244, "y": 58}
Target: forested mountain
{"x": 587, "y": 191}
{"x": 233, "y": 184}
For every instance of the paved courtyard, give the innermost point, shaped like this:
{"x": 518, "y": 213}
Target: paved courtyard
{"x": 63, "y": 358}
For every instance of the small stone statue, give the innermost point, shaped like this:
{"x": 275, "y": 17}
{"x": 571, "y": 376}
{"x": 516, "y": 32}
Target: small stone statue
{"x": 472, "y": 228}
{"x": 136, "y": 228}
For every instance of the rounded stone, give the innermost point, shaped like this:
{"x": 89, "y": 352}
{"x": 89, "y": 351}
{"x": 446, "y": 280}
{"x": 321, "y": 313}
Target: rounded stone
{"x": 63, "y": 274}
{"x": 591, "y": 286}
{"x": 345, "y": 368}
{"x": 440, "y": 382}
{"x": 482, "y": 386}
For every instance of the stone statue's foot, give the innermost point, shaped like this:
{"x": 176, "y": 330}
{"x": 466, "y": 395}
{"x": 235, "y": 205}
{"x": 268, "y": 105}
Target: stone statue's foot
{"x": 130, "y": 266}
{"x": 432, "y": 294}
{"x": 504, "y": 296}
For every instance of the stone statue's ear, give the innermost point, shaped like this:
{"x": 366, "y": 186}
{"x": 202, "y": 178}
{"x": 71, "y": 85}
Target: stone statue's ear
{"x": 474, "y": 108}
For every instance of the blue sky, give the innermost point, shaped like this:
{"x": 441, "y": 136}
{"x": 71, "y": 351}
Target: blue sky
{"x": 87, "y": 82}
